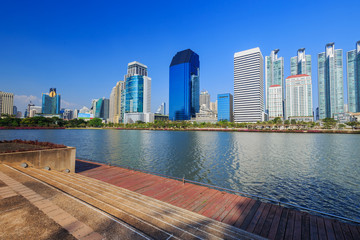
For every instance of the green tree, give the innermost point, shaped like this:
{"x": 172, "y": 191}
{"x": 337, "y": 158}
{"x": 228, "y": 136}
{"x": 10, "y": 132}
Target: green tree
{"x": 329, "y": 123}
{"x": 293, "y": 121}
{"x": 95, "y": 122}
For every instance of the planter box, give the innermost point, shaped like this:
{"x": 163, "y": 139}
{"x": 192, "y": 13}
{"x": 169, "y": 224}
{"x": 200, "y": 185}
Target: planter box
{"x": 57, "y": 159}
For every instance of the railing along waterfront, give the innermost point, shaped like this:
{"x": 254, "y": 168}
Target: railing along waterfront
{"x": 261, "y": 198}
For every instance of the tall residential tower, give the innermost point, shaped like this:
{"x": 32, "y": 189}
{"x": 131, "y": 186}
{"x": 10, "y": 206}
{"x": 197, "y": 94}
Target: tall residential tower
{"x": 274, "y": 75}
{"x": 330, "y": 81}
{"x": 300, "y": 64}
{"x": 184, "y": 86}
{"x": 248, "y": 86}
{"x": 353, "y": 78}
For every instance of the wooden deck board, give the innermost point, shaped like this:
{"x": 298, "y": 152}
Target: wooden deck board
{"x": 265, "y": 219}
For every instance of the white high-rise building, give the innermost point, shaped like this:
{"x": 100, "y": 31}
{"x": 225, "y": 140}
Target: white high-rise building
{"x": 275, "y": 102}
{"x": 299, "y": 98}
{"x": 6, "y": 103}
{"x": 248, "y": 86}
{"x": 205, "y": 99}
{"x": 274, "y": 75}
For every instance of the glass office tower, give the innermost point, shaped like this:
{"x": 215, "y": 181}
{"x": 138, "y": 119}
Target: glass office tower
{"x": 274, "y": 75}
{"x": 184, "y": 86}
{"x": 330, "y": 82}
{"x": 300, "y": 64}
{"x": 353, "y": 78}
{"x": 225, "y": 107}
{"x": 51, "y": 102}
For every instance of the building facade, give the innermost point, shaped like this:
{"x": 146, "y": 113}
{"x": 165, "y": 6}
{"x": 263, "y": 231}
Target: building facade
{"x": 205, "y": 99}
{"x": 101, "y": 108}
{"x": 300, "y": 64}
{"x": 353, "y": 78}
{"x": 299, "y": 98}
{"x": 275, "y": 102}
{"x": 184, "y": 86}
{"x": 330, "y": 81}
{"x": 51, "y": 102}
{"x": 225, "y": 107}
{"x": 248, "y": 86}
{"x": 136, "y": 96}
{"x": 116, "y": 114}
{"x": 161, "y": 109}
{"x": 213, "y": 106}
{"x": 6, "y": 103}
{"x": 274, "y": 75}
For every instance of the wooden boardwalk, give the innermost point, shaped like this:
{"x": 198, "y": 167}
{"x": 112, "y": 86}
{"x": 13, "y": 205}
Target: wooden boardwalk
{"x": 265, "y": 219}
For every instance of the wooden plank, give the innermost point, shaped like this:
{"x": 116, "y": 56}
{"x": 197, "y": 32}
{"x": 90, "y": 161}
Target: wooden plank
{"x": 191, "y": 200}
{"x": 227, "y": 209}
{"x": 219, "y": 206}
{"x": 275, "y": 223}
{"x": 289, "y": 231}
{"x": 197, "y": 205}
{"x": 245, "y": 213}
{"x": 158, "y": 187}
{"x": 354, "y": 232}
{"x": 297, "y": 226}
{"x": 337, "y": 230}
{"x": 236, "y": 213}
{"x": 256, "y": 217}
{"x": 282, "y": 224}
{"x": 313, "y": 228}
{"x": 266, "y": 228}
{"x": 305, "y": 226}
{"x": 329, "y": 229}
{"x": 346, "y": 231}
{"x": 262, "y": 219}
{"x": 236, "y": 205}
{"x": 209, "y": 200}
{"x": 213, "y": 202}
{"x": 321, "y": 228}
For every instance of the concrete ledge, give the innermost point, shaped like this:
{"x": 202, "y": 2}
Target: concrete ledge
{"x": 57, "y": 159}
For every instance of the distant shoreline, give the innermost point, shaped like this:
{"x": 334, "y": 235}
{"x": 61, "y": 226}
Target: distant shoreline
{"x": 347, "y": 131}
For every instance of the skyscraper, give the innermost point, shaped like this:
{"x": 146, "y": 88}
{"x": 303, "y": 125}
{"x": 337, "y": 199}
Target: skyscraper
{"x": 184, "y": 85}
{"x": 136, "y": 97}
{"x": 299, "y": 98}
{"x": 51, "y": 102}
{"x": 6, "y": 103}
{"x": 205, "y": 99}
{"x": 248, "y": 86}
{"x": 101, "y": 108}
{"x": 115, "y": 112}
{"x": 300, "y": 64}
{"x": 330, "y": 81}
{"x": 275, "y": 101}
{"x": 353, "y": 78}
{"x": 161, "y": 109}
{"x": 274, "y": 75}
{"x": 225, "y": 107}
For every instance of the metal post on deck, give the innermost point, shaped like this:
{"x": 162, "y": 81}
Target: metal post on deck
{"x": 183, "y": 179}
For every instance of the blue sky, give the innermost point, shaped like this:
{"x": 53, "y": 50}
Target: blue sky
{"x": 82, "y": 47}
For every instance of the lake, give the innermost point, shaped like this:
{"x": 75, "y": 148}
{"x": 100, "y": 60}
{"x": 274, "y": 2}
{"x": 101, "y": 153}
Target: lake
{"x": 318, "y": 171}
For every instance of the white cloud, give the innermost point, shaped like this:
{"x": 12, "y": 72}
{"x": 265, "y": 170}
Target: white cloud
{"x": 70, "y": 105}
{"x": 21, "y": 101}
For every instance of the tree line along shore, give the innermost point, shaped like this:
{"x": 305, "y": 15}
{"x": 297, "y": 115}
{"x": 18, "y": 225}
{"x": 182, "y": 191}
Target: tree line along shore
{"x": 10, "y": 122}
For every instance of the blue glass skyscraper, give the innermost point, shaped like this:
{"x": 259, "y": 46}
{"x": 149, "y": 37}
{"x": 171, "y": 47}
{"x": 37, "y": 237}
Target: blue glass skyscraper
{"x": 225, "y": 107}
{"x": 184, "y": 86}
{"x": 51, "y": 102}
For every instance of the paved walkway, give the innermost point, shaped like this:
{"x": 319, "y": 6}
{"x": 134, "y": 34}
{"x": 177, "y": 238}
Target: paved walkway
{"x": 267, "y": 220}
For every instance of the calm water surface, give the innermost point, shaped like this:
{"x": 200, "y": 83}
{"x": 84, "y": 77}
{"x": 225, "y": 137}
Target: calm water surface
{"x": 318, "y": 171}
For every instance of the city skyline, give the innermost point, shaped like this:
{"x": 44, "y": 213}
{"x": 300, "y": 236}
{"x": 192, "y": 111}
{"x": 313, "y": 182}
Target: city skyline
{"x": 46, "y": 51}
